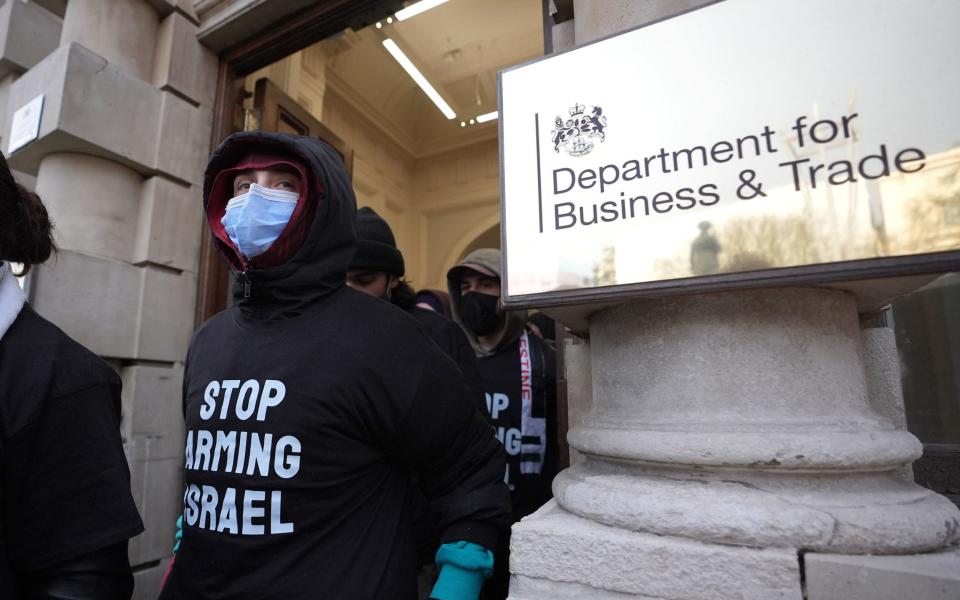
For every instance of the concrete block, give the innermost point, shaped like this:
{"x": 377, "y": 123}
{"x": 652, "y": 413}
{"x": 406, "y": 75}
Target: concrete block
{"x": 225, "y": 23}
{"x": 579, "y": 385}
{"x": 152, "y": 409}
{"x": 528, "y": 588}
{"x": 124, "y": 32}
{"x": 93, "y": 203}
{"x": 170, "y": 222}
{"x": 157, "y": 493}
{"x": 5, "y": 84}
{"x": 93, "y": 107}
{"x": 182, "y": 146}
{"x": 146, "y": 582}
{"x": 563, "y": 36}
{"x": 594, "y": 20}
{"x": 28, "y": 33}
{"x": 90, "y": 107}
{"x": 94, "y": 300}
{"x": 166, "y": 314}
{"x": 57, "y": 7}
{"x": 182, "y": 65}
{"x": 558, "y": 549}
{"x": 875, "y": 512}
{"x": 184, "y": 7}
{"x": 115, "y": 309}
{"x": 933, "y": 576}
{"x": 882, "y": 366}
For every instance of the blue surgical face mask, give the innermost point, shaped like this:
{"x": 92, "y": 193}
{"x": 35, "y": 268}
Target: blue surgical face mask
{"x": 256, "y": 219}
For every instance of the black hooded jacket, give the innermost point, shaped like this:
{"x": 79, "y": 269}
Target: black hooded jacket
{"x": 308, "y": 406}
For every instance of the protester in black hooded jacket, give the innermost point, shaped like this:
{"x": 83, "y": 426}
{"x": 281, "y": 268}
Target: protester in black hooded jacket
{"x": 308, "y": 405}
{"x": 518, "y": 375}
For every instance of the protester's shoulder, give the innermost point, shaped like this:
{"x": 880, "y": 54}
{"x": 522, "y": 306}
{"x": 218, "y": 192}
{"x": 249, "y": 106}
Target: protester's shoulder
{"x": 433, "y": 321}
{"x": 375, "y": 316}
{"x": 40, "y": 364}
{"x": 48, "y": 353}
{"x": 212, "y": 332}
{"x": 380, "y": 329}
{"x": 216, "y": 322}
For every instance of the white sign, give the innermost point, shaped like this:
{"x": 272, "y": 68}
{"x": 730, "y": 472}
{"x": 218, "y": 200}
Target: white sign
{"x": 26, "y": 124}
{"x": 790, "y": 140}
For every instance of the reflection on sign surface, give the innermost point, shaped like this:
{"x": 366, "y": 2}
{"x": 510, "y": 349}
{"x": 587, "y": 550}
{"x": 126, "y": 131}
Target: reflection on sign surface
{"x": 744, "y": 136}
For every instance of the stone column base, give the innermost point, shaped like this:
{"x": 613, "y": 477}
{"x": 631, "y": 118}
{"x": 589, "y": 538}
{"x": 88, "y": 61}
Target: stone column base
{"x": 556, "y": 555}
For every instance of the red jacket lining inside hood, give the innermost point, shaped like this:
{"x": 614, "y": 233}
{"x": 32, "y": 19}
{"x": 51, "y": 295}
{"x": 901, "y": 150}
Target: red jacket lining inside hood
{"x": 292, "y": 236}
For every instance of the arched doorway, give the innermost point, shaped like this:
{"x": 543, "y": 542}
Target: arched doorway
{"x": 488, "y": 239}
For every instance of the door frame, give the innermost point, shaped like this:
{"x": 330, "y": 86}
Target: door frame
{"x": 276, "y": 107}
{"x": 274, "y": 42}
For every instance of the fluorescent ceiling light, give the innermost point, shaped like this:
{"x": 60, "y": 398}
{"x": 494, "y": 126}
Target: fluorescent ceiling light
{"x": 418, "y": 77}
{"x": 487, "y": 117}
{"x": 417, "y": 8}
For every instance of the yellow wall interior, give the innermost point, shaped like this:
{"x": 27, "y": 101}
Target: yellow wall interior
{"x": 436, "y": 182}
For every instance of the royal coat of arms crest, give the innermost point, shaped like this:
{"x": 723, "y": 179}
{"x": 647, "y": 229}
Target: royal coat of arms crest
{"x": 578, "y": 134}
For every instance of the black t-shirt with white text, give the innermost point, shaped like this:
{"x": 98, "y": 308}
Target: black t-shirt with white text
{"x": 523, "y": 371}
{"x": 302, "y": 436}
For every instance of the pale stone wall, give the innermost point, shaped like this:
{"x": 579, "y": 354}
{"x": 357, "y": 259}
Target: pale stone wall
{"x": 125, "y": 133}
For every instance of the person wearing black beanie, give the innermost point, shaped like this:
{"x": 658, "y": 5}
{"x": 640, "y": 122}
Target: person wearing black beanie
{"x": 377, "y": 266}
{"x": 377, "y": 269}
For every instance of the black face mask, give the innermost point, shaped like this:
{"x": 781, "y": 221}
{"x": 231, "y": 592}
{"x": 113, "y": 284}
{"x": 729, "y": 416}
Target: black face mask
{"x": 480, "y": 313}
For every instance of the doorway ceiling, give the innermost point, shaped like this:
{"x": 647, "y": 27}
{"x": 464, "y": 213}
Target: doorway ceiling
{"x": 458, "y": 46}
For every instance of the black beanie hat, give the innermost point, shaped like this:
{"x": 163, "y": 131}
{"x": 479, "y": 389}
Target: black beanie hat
{"x": 376, "y": 246}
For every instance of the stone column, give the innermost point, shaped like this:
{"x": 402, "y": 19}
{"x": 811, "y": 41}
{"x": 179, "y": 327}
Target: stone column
{"x": 729, "y": 433}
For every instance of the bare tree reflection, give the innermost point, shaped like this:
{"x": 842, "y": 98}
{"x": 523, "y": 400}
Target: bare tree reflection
{"x": 605, "y": 271}
{"x": 767, "y": 241}
{"x": 934, "y": 220}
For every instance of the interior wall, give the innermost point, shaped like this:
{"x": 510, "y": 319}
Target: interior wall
{"x": 458, "y": 197}
{"x": 383, "y": 173}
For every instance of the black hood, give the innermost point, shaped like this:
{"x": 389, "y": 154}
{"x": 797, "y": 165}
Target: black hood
{"x": 318, "y": 268}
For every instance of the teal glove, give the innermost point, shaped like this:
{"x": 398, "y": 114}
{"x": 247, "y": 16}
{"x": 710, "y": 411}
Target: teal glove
{"x": 179, "y": 535}
{"x": 463, "y": 568}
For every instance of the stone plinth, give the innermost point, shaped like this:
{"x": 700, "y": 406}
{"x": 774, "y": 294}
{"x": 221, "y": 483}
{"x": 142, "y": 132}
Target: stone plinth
{"x": 739, "y": 423}
{"x": 556, "y": 554}
{"x": 920, "y": 577}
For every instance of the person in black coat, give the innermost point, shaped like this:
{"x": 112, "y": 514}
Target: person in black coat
{"x": 67, "y": 511}
{"x": 377, "y": 269}
{"x": 518, "y": 375}
{"x": 309, "y": 406}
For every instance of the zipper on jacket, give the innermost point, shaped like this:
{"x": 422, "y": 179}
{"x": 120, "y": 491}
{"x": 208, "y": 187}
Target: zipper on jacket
{"x": 246, "y": 283}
